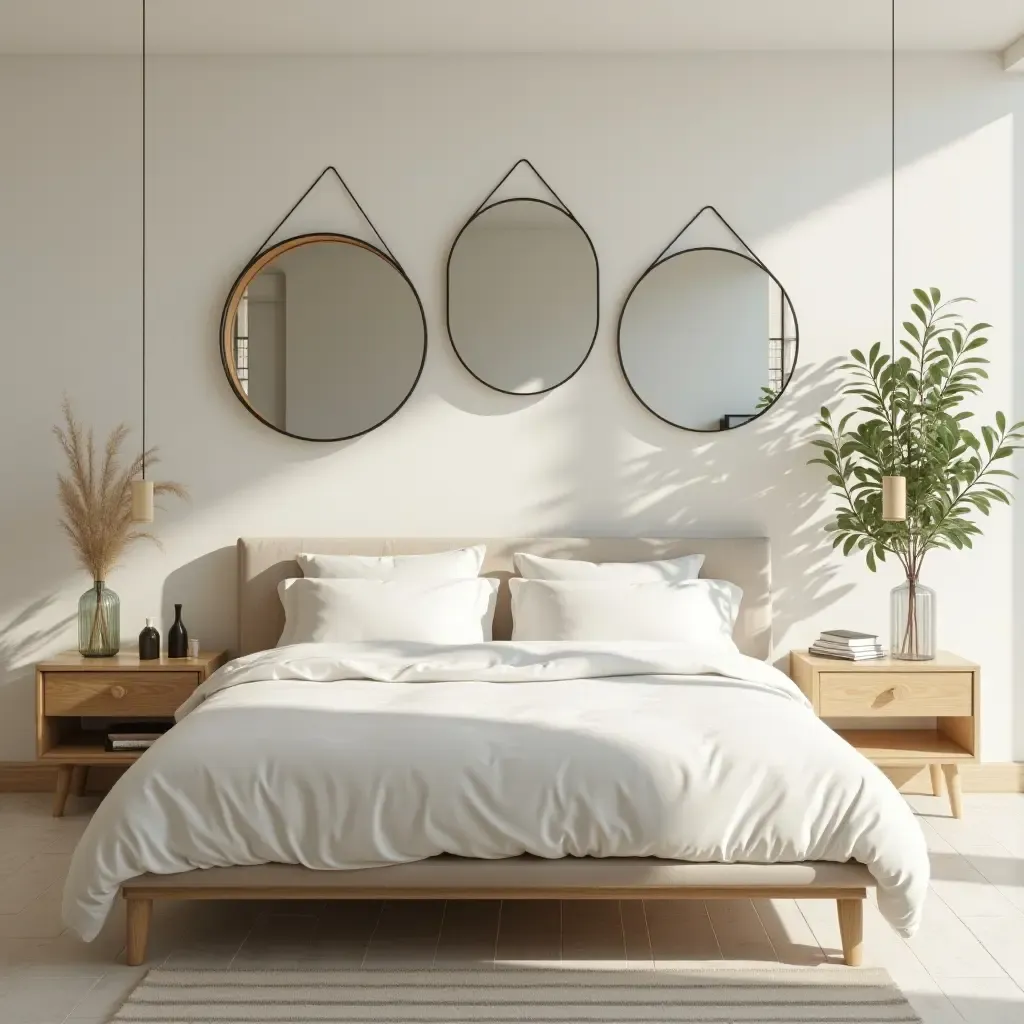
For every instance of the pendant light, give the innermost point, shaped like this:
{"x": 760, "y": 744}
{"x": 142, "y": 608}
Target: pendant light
{"x": 894, "y": 488}
{"x": 142, "y": 489}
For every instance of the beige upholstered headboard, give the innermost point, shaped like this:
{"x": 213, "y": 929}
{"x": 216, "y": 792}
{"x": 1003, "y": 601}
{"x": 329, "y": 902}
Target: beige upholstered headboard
{"x": 264, "y": 561}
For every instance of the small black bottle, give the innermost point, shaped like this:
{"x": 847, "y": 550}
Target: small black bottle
{"x": 149, "y": 642}
{"x": 177, "y": 637}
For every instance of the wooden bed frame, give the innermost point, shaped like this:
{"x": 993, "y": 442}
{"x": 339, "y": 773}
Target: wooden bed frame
{"x": 518, "y": 878}
{"x": 263, "y": 563}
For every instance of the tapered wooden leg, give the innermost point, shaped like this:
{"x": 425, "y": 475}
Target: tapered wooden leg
{"x": 60, "y": 794}
{"x": 956, "y": 796}
{"x": 79, "y": 777}
{"x": 938, "y": 784}
{"x": 138, "y": 914}
{"x": 851, "y": 930}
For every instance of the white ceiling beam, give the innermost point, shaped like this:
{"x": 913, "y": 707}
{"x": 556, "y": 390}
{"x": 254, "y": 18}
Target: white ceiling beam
{"x": 1013, "y": 56}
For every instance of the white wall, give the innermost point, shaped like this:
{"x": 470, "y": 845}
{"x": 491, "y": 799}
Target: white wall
{"x": 793, "y": 149}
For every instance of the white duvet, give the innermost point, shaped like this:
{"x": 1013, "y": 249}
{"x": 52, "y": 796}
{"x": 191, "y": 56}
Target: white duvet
{"x": 359, "y": 755}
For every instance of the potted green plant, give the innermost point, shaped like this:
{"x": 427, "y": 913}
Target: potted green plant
{"x": 909, "y": 473}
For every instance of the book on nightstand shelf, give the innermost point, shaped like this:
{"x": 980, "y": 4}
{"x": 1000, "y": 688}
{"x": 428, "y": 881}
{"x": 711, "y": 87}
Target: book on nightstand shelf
{"x": 133, "y": 736}
{"x": 847, "y": 645}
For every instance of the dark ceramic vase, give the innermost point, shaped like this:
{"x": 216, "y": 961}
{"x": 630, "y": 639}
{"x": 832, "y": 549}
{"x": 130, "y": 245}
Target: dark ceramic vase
{"x": 177, "y": 637}
{"x": 149, "y": 642}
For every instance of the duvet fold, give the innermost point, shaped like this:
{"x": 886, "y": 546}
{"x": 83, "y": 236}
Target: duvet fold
{"x": 345, "y": 756}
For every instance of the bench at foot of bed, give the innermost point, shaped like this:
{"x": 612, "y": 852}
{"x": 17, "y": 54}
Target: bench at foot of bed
{"x": 534, "y": 878}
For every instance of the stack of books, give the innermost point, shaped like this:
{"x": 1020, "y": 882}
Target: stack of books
{"x": 848, "y": 645}
{"x": 130, "y": 736}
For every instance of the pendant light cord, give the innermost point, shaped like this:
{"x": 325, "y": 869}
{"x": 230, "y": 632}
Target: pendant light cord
{"x": 892, "y": 317}
{"x": 143, "y": 239}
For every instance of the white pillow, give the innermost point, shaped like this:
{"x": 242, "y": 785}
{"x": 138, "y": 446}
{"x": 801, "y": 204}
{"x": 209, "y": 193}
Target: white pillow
{"x": 535, "y": 567}
{"x": 340, "y": 611}
{"x": 463, "y": 564}
{"x": 698, "y": 612}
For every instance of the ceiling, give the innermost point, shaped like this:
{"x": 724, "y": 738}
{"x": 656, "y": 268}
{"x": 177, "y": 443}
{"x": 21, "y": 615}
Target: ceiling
{"x": 310, "y": 27}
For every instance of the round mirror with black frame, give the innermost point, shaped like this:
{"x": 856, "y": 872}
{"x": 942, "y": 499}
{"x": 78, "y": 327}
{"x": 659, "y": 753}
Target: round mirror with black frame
{"x": 523, "y": 297}
{"x": 707, "y": 339}
{"x": 323, "y": 337}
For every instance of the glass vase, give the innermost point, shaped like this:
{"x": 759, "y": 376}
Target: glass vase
{"x": 99, "y": 622}
{"x": 913, "y": 621}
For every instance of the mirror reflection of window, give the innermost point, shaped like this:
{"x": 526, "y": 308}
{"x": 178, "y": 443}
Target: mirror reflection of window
{"x": 781, "y": 340}
{"x": 265, "y": 315}
{"x": 242, "y": 342}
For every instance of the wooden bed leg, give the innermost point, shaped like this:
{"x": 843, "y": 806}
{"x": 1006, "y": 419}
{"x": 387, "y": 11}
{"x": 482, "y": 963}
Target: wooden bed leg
{"x": 79, "y": 777}
{"x": 138, "y": 914}
{"x": 851, "y": 930}
{"x": 938, "y": 785}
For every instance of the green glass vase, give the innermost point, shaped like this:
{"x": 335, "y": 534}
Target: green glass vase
{"x": 99, "y": 622}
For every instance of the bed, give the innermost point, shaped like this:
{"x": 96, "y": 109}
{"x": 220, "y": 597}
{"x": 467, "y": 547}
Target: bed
{"x": 860, "y": 834}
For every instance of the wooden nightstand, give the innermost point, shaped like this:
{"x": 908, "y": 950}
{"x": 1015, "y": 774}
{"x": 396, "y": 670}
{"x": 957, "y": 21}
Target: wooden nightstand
{"x": 947, "y": 688}
{"x": 70, "y": 687}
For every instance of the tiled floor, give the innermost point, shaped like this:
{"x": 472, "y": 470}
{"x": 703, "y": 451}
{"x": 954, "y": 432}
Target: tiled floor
{"x": 967, "y": 963}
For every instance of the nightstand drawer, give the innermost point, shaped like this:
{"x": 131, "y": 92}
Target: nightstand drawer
{"x": 895, "y": 693}
{"x": 118, "y": 695}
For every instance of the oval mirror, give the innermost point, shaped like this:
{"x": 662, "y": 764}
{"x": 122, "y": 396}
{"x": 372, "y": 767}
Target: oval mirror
{"x": 708, "y": 339}
{"x": 522, "y": 296}
{"x": 323, "y": 337}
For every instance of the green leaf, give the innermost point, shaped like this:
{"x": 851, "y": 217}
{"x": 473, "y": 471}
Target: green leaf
{"x": 936, "y": 295}
{"x": 990, "y": 438}
{"x": 912, "y": 330}
{"x": 923, "y": 296}
{"x": 1001, "y": 422}
{"x": 857, "y": 354}
{"x": 919, "y": 313}
{"x": 870, "y": 558}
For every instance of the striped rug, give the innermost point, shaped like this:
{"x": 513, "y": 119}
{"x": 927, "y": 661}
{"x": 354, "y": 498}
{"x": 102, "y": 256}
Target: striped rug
{"x": 530, "y": 996}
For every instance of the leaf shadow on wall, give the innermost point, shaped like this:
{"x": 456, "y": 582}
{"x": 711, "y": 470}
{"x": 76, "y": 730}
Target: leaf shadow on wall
{"x": 21, "y": 646}
{"x": 18, "y": 647}
{"x": 750, "y": 481}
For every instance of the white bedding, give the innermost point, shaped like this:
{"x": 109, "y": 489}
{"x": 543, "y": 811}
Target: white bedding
{"x": 359, "y": 755}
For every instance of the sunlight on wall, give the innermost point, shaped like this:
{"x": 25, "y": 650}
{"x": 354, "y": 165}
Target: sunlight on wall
{"x": 635, "y": 146}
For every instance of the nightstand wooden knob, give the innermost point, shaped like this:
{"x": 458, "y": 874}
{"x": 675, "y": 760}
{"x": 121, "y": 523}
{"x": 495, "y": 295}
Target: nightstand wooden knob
{"x": 117, "y": 692}
{"x": 886, "y": 697}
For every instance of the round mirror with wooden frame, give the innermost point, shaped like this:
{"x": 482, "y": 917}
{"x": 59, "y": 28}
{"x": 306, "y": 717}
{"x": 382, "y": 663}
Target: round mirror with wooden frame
{"x": 323, "y": 337}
